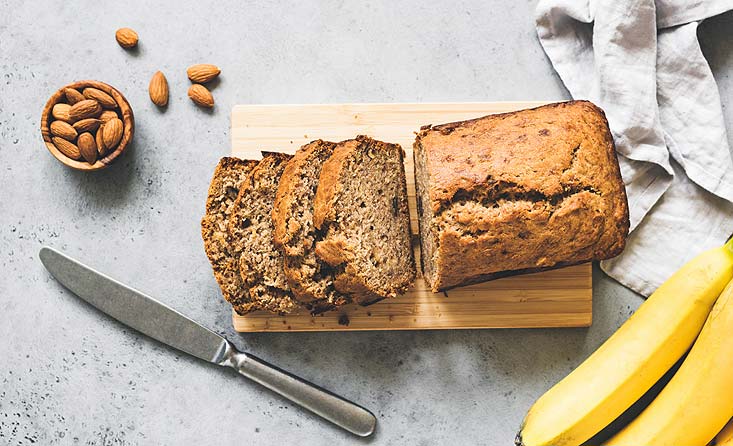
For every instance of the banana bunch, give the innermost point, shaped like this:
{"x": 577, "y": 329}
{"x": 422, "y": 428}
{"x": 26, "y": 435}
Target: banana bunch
{"x": 692, "y": 311}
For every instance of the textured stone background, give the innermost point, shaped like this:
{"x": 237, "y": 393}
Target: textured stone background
{"x": 69, "y": 375}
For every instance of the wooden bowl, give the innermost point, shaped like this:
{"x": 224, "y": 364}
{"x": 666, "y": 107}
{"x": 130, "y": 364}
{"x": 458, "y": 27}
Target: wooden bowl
{"x": 125, "y": 112}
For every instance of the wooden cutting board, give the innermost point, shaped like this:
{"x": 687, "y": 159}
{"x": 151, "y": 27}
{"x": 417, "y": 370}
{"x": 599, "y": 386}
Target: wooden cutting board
{"x": 560, "y": 298}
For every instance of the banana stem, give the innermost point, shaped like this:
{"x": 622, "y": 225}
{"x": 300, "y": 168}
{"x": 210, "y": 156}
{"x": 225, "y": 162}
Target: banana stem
{"x": 729, "y": 244}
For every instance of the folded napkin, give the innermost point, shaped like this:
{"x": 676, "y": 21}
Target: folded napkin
{"x": 641, "y": 62}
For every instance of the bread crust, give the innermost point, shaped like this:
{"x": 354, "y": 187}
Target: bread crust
{"x": 521, "y": 192}
{"x": 329, "y": 185}
{"x": 223, "y": 189}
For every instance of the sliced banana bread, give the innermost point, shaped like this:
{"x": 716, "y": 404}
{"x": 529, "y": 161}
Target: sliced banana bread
{"x": 518, "y": 192}
{"x": 223, "y": 190}
{"x": 310, "y": 280}
{"x": 250, "y": 225}
{"x": 361, "y": 212}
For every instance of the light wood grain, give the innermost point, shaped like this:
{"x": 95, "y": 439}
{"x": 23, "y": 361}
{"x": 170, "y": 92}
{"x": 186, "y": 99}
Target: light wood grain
{"x": 560, "y": 298}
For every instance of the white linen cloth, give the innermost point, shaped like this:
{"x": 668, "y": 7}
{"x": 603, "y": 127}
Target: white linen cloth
{"x": 641, "y": 62}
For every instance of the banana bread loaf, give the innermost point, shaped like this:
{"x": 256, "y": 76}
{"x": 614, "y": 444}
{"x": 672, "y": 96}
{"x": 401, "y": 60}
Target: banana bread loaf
{"x": 310, "y": 280}
{"x": 223, "y": 190}
{"x": 518, "y": 192}
{"x": 361, "y": 212}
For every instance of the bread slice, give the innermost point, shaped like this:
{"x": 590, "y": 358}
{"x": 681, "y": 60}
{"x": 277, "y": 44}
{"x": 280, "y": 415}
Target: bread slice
{"x": 361, "y": 210}
{"x": 518, "y": 192}
{"x": 250, "y": 226}
{"x": 223, "y": 190}
{"x": 310, "y": 280}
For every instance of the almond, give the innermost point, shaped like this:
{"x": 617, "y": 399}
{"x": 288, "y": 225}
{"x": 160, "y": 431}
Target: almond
{"x": 107, "y": 115}
{"x": 88, "y": 108}
{"x": 103, "y": 98}
{"x": 203, "y": 73}
{"x": 112, "y": 133}
{"x": 126, "y": 37}
{"x": 67, "y": 148}
{"x": 101, "y": 149}
{"x": 61, "y": 111}
{"x": 87, "y": 147}
{"x": 87, "y": 125}
{"x": 158, "y": 89}
{"x": 201, "y": 96}
{"x": 64, "y": 130}
{"x": 73, "y": 96}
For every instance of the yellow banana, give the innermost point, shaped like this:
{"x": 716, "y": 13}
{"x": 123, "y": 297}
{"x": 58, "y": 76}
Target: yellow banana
{"x": 725, "y": 436}
{"x": 632, "y": 359}
{"x": 698, "y": 400}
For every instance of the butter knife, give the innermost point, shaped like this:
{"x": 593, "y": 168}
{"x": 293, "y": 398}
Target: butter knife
{"x": 164, "y": 324}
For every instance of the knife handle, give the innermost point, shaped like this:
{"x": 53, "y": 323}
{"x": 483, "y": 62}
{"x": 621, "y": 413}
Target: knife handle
{"x": 332, "y": 407}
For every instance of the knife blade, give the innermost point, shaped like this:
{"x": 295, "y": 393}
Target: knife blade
{"x": 164, "y": 324}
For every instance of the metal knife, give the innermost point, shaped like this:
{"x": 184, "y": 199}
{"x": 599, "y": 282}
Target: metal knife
{"x": 160, "y": 322}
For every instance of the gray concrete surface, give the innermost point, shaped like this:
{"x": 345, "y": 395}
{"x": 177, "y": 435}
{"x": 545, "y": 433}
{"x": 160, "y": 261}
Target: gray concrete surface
{"x": 69, "y": 375}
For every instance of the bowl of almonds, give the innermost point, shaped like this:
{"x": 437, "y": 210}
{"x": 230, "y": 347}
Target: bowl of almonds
{"x": 87, "y": 125}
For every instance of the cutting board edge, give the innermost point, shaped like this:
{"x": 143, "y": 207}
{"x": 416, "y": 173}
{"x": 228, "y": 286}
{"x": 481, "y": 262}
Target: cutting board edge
{"x": 584, "y": 322}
